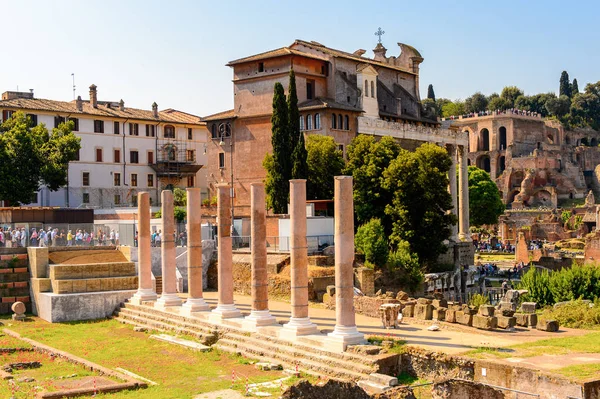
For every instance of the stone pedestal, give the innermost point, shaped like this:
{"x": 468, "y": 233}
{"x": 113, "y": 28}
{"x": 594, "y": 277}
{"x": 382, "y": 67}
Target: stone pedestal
{"x": 260, "y": 315}
{"x": 345, "y": 332}
{"x": 389, "y": 314}
{"x": 299, "y": 323}
{"x": 225, "y": 308}
{"x": 169, "y": 295}
{"x": 145, "y": 291}
{"x": 195, "y": 301}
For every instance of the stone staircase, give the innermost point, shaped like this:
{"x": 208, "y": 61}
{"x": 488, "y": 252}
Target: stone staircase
{"x": 93, "y": 277}
{"x": 307, "y": 356}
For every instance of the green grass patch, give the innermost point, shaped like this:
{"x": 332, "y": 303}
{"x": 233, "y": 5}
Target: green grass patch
{"x": 180, "y": 372}
{"x": 581, "y": 371}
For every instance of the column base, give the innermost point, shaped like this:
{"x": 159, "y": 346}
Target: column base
{"x": 298, "y": 326}
{"x": 464, "y": 237}
{"x": 143, "y": 295}
{"x": 258, "y": 318}
{"x": 194, "y": 305}
{"x": 342, "y": 336}
{"x": 222, "y": 312}
{"x": 166, "y": 300}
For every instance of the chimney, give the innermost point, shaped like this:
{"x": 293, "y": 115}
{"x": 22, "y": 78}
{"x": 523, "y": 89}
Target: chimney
{"x": 379, "y": 52}
{"x": 79, "y": 104}
{"x": 122, "y": 105}
{"x": 155, "y": 109}
{"x": 93, "y": 96}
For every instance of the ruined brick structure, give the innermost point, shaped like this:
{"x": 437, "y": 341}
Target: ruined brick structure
{"x": 534, "y": 162}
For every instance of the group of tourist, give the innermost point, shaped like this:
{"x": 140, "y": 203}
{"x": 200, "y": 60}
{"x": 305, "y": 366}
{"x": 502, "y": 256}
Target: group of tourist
{"x": 483, "y": 246}
{"x": 156, "y": 238}
{"x": 54, "y": 237}
{"x": 511, "y": 111}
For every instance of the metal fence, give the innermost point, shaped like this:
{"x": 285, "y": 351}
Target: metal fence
{"x": 315, "y": 244}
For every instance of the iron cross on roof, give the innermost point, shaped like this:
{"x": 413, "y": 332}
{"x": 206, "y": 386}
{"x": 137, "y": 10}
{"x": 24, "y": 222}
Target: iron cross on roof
{"x": 379, "y": 33}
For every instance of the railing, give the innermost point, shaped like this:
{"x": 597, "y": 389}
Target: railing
{"x": 379, "y": 127}
{"x": 315, "y": 244}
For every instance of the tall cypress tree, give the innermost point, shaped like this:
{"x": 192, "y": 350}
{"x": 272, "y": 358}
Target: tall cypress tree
{"x": 278, "y": 165}
{"x": 565, "y": 86}
{"x": 574, "y": 88}
{"x": 297, "y": 147}
{"x": 430, "y": 92}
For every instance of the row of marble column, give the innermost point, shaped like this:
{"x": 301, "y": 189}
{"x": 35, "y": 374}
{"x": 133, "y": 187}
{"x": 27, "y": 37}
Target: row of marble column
{"x": 345, "y": 331}
{"x": 460, "y": 200}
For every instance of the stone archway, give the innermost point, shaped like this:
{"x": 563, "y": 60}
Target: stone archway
{"x": 502, "y": 137}
{"x": 483, "y": 162}
{"x": 541, "y": 198}
{"x": 484, "y": 140}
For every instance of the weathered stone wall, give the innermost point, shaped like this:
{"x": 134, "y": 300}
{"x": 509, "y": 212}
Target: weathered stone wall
{"x": 432, "y": 365}
{"x": 460, "y": 389}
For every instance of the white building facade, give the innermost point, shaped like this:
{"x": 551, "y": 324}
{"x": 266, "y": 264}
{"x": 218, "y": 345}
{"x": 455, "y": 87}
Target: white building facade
{"x": 123, "y": 150}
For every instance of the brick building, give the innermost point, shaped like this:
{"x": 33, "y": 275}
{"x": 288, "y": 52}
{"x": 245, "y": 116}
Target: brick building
{"x": 336, "y": 89}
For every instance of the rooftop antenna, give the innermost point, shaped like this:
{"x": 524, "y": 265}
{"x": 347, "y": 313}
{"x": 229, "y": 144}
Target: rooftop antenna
{"x": 73, "y": 76}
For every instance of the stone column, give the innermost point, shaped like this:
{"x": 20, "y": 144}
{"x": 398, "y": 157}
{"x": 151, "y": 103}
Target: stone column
{"x": 493, "y": 167}
{"x": 345, "y": 332}
{"x": 195, "y": 301}
{"x": 299, "y": 323}
{"x": 225, "y": 308}
{"x": 169, "y": 295}
{"x": 463, "y": 187}
{"x": 452, "y": 187}
{"x": 260, "y": 315}
{"x": 145, "y": 291}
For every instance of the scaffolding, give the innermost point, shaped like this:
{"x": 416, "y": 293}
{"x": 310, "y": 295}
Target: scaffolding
{"x": 174, "y": 160}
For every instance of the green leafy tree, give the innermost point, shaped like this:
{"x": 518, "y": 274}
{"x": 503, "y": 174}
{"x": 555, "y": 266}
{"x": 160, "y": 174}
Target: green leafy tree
{"x": 574, "y": 88}
{"x": 430, "y": 93}
{"x": 32, "y": 157}
{"x": 371, "y": 241}
{"x": 420, "y": 204}
{"x": 453, "y": 108}
{"x": 499, "y": 104}
{"x": 537, "y": 284}
{"x": 476, "y": 103}
{"x": 510, "y": 94}
{"x": 535, "y": 103}
{"x": 439, "y": 105}
{"x": 179, "y": 214}
{"x": 297, "y": 145}
{"x": 564, "y": 88}
{"x": 586, "y": 106}
{"x": 367, "y": 159}
{"x": 558, "y": 106}
{"x": 179, "y": 197}
{"x": 485, "y": 203}
{"x": 278, "y": 164}
{"x": 325, "y": 161}
{"x": 405, "y": 264}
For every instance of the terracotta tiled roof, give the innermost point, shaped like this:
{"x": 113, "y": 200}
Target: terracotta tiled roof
{"x": 343, "y": 54}
{"x": 218, "y": 116}
{"x": 280, "y": 52}
{"x": 319, "y": 103}
{"x": 104, "y": 109}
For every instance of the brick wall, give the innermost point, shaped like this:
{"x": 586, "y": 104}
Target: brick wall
{"x": 14, "y": 279}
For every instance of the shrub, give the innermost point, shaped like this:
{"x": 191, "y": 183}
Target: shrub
{"x": 537, "y": 284}
{"x": 371, "y": 241}
{"x": 478, "y": 300}
{"x": 575, "y": 314}
{"x": 406, "y": 264}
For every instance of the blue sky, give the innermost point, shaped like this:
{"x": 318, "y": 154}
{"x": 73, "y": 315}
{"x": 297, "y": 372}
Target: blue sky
{"x": 174, "y": 52}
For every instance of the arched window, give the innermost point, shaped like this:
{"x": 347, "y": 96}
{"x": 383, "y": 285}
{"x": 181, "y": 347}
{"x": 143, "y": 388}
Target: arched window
{"x": 346, "y": 122}
{"x": 366, "y": 88}
{"x": 333, "y": 121}
{"x": 317, "y": 121}
{"x": 169, "y": 132}
{"x": 309, "y": 121}
{"x": 301, "y": 123}
{"x": 340, "y": 121}
{"x": 373, "y": 89}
